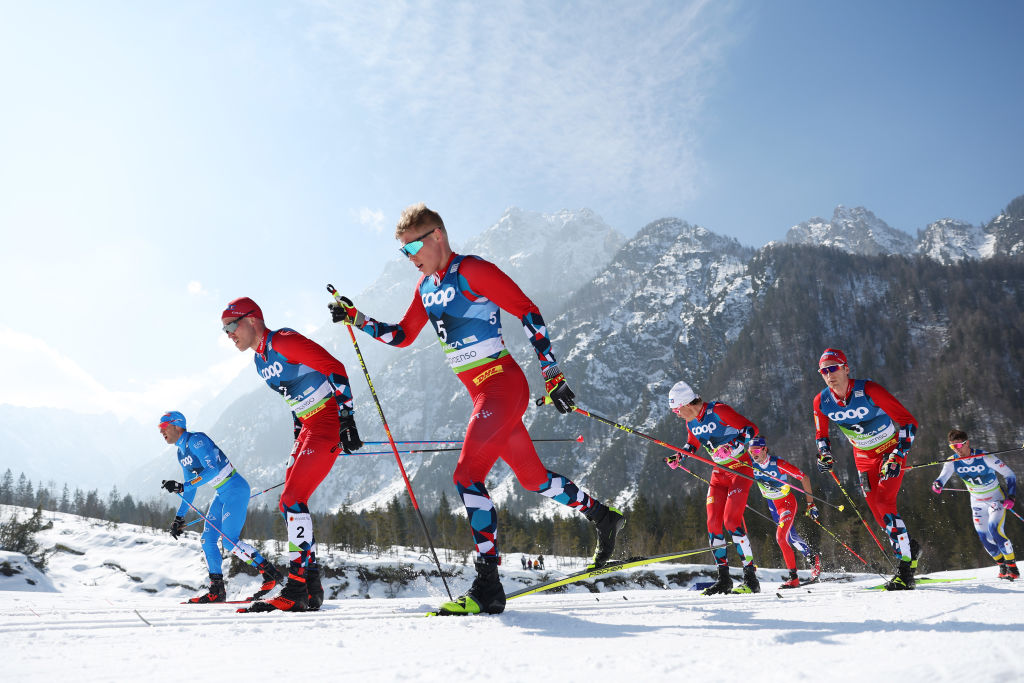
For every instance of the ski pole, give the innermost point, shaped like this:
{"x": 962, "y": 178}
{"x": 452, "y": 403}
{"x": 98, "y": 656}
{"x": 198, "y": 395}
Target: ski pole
{"x": 414, "y": 451}
{"x": 863, "y": 521}
{"x": 629, "y": 430}
{"x": 578, "y": 439}
{"x": 394, "y": 448}
{"x": 852, "y": 551}
{"x": 961, "y": 457}
{"x": 234, "y": 544}
{"x": 1010, "y": 510}
{"x": 198, "y": 519}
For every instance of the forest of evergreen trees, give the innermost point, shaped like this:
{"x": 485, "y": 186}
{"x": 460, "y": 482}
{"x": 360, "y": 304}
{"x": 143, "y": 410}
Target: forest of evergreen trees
{"x": 943, "y": 524}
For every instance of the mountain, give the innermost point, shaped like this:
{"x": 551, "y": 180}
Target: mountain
{"x": 84, "y": 451}
{"x": 934, "y": 319}
{"x": 856, "y": 231}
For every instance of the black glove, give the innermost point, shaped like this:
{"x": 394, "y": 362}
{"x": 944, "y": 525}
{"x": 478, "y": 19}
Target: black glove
{"x": 178, "y": 527}
{"x": 891, "y": 467}
{"x": 825, "y": 462}
{"x": 297, "y": 426}
{"x": 559, "y": 392}
{"x": 172, "y": 486}
{"x": 344, "y": 311}
{"x": 348, "y": 435}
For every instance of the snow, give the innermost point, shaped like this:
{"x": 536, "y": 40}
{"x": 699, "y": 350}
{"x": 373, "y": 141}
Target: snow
{"x": 109, "y": 610}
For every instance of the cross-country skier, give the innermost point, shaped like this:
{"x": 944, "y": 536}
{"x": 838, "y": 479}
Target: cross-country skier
{"x": 315, "y": 385}
{"x": 771, "y": 473}
{"x": 881, "y": 431}
{"x": 978, "y": 470}
{"x": 461, "y": 296}
{"x": 725, "y": 434}
{"x": 203, "y": 463}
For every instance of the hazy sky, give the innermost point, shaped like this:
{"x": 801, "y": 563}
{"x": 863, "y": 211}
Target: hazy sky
{"x": 160, "y": 159}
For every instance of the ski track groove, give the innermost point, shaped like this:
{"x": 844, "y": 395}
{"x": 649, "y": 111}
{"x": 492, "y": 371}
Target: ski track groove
{"x": 136, "y": 615}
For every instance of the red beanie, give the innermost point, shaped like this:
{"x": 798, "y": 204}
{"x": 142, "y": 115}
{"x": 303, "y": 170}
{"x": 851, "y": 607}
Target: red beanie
{"x": 832, "y": 357}
{"x": 240, "y": 307}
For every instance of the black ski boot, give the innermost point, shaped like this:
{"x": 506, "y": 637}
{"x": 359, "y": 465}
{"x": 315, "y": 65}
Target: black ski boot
{"x": 724, "y": 583}
{"x": 904, "y": 578}
{"x": 217, "y": 592}
{"x": 292, "y": 599}
{"x": 485, "y": 596}
{"x": 608, "y": 521}
{"x": 314, "y": 591}
{"x": 271, "y": 578}
{"x": 750, "y": 582}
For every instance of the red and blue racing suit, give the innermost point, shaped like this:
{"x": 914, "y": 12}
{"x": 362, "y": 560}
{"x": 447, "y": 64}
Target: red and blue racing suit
{"x": 876, "y": 424}
{"x": 316, "y": 387}
{"x": 462, "y": 301}
{"x": 717, "y": 425}
{"x": 771, "y": 478}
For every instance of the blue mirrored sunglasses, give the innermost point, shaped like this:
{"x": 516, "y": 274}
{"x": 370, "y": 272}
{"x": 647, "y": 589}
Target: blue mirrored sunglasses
{"x": 413, "y": 248}
{"x": 233, "y": 325}
{"x": 829, "y": 369}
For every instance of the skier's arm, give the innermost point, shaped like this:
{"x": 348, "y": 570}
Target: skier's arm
{"x": 901, "y": 417}
{"x": 748, "y": 430}
{"x": 945, "y": 474}
{"x": 484, "y": 279}
{"x": 1008, "y": 474}
{"x": 298, "y": 349}
{"x": 400, "y": 335}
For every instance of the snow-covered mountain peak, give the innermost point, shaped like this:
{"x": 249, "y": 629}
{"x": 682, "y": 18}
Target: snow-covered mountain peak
{"x": 856, "y": 230}
{"x": 950, "y": 240}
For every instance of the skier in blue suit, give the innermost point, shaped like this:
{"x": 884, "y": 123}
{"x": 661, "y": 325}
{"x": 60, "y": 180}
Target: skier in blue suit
{"x": 203, "y": 463}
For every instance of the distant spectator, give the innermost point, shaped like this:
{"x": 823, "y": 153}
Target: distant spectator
{"x": 540, "y": 559}
{"x": 526, "y": 562}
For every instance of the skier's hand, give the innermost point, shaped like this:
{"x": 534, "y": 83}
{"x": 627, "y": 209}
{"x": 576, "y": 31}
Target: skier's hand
{"x": 177, "y": 527}
{"x": 344, "y": 311}
{"x": 936, "y": 487}
{"x": 348, "y": 435}
{"x": 675, "y": 460}
{"x": 1008, "y": 504}
{"x": 723, "y": 452}
{"x": 557, "y": 389}
{"x": 812, "y": 511}
{"x": 825, "y": 462}
{"x": 296, "y": 426}
{"x": 172, "y": 486}
{"x": 890, "y": 467}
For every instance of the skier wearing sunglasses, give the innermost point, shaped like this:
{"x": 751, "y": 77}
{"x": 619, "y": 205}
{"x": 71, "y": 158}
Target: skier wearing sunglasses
{"x": 988, "y": 504}
{"x": 881, "y": 431}
{"x": 462, "y": 296}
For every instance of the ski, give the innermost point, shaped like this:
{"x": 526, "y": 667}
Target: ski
{"x": 923, "y": 580}
{"x": 600, "y": 571}
{"x": 223, "y": 602}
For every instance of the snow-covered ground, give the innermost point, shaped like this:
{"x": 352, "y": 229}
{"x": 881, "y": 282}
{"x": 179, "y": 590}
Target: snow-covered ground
{"x": 109, "y": 608}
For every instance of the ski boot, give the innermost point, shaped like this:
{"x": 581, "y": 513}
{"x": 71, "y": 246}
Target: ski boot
{"x": 750, "y": 583}
{"x": 293, "y": 598}
{"x": 793, "y": 581}
{"x": 816, "y": 569}
{"x": 1008, "y": 570}
{"x": 485, "y": 596}
{"x": 608, "y": 521}
{"x": 314, "y": 591}
{"x": 1003, "y": 573}
{"x": 271, "y": 578}
{"x": 904, "y": 578}
{"x": 724, "y": 583}
{"x": 217, "y": 592}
